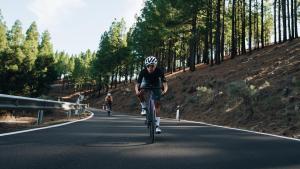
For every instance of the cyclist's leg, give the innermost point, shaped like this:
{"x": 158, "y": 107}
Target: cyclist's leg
{"x": 110, "y": 106}
{"x": 156, "y": 98}
{"x": 144, "y": 97}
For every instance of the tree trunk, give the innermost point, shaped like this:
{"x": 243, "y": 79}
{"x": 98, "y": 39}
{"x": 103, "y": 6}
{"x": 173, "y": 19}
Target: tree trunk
{"x": 292, "y": 19}
{"x": 262, "y": 24}
{"x": 174, "y": 61}
{"x": 250, "y": 26}
{"x": 296, "y": 18}
{"x": 283, "y": 6}
{"x": 233, "y": 30}
{"x": 169, "y": 55}
{"x": 279, "y": 20}
{"x": 275, "y": 26}
{"x": 244, "y": 27}
{"x": 193, "y": 43}
{"x": 288, "y": 17}
{"x": 205, "y": 51}
{"x": 217, "y": 55}
{"x": 131, "y": 72}
{"x": 181, "y": 53}
{"x": 223, "y": 33}
{"x": 211, "y": 33}
{"x": 238, "y": 19}
{"x": 257, "y": 21}
{"x": 112, "y": 80}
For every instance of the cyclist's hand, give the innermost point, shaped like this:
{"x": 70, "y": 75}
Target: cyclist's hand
{"x": 138, "y": 93}
{"x": 163, "y": 92}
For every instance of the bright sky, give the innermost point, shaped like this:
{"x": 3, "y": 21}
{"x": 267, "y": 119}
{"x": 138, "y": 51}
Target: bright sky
{"x": 74, "y": 25}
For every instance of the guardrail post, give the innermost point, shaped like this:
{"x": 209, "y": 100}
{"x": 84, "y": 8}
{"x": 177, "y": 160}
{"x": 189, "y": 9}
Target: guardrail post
{"x": 69, "y": 114}
{"x": 76, "y": 112}
{"x": 40, "y": 117}
{"x": 177, "y": 113}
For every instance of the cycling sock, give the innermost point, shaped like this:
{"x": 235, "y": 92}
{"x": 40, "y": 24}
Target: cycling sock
{"x": 143, "y": 104}
{"x": 157, "y": 121}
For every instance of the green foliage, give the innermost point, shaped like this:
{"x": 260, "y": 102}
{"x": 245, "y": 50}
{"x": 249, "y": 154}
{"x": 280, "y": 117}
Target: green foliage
{"x": 3, "y": 32}
{"x": 30, "y": 47}
{"x": 172, "y": 30}
{"x": 64, "y": 64}
{"x": 205, "y": 95}
{"x": 112, "y": 54}
{"x": 28, "y": 67}
{"x": 296, "y": 82}
{"x": 241, "y": 89}
{"x": 46, "y": 48}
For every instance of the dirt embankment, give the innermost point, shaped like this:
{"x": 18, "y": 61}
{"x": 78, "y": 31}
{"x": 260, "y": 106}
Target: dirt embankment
{"x": 259, "y": 92}
{"x": 16, "y": 121}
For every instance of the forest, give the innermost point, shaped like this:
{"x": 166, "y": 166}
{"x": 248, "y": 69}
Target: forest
{"x": 180, "y": 33}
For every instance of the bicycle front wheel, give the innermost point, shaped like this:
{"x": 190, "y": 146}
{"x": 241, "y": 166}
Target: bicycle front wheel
{"x": 151, "y": 131}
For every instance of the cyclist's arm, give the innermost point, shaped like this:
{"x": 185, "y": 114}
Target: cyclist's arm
{"x": 165, "y": 87}
{"x": 164, "y": 82}
{"x": 137, "y": 86}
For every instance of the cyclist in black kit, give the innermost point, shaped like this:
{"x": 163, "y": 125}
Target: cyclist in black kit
{"x": 151, "y": 76}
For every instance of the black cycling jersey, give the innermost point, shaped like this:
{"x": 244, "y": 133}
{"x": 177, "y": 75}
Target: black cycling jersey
{"x": 153, "y": 79}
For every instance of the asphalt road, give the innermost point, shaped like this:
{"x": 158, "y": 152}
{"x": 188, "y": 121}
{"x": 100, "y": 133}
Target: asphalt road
{"x": 121, "y": 142}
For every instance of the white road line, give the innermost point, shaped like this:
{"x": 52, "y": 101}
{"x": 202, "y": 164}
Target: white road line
{"x": 249, "y": 131}
{"x": 163, "y": 126}
{"x": 48, "y": 127}
{"x": 230, "y": 128}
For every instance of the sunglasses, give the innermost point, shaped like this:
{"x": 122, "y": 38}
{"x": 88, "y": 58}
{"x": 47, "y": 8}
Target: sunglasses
{"x": 148, "y": 66}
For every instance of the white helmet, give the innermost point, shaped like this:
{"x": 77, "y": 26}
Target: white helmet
{"x": 108, "y": 94}
{"x": 151, "y": 60}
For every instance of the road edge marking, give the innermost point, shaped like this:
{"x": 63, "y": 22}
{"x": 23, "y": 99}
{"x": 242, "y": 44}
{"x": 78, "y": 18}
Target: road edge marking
{"x": 225, "y": 127}
{"x": 47, "y": 127}
{"x": 249, "y": 131}
{"x": 230, "y": 128}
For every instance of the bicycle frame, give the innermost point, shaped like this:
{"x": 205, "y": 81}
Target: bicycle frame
{"x": 151, "y": 117}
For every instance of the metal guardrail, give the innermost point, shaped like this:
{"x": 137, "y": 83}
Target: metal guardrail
{"x": 9, "y": 102}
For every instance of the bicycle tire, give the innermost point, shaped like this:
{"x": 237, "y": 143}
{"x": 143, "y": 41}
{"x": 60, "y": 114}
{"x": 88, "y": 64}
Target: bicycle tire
{"x": 152, "y": 121}
{"x": 151, "y": 130}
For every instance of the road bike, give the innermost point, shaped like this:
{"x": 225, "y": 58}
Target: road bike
{"x": 150, "y": 111}
{"x": 108, "y": 109}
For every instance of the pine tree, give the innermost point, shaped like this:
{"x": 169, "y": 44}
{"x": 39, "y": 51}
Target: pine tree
{"x": 46, "y": 47}
{"x": 3, "y": 32}
{"x": 44, "y": 69}
{"x": 30, "y": 47}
